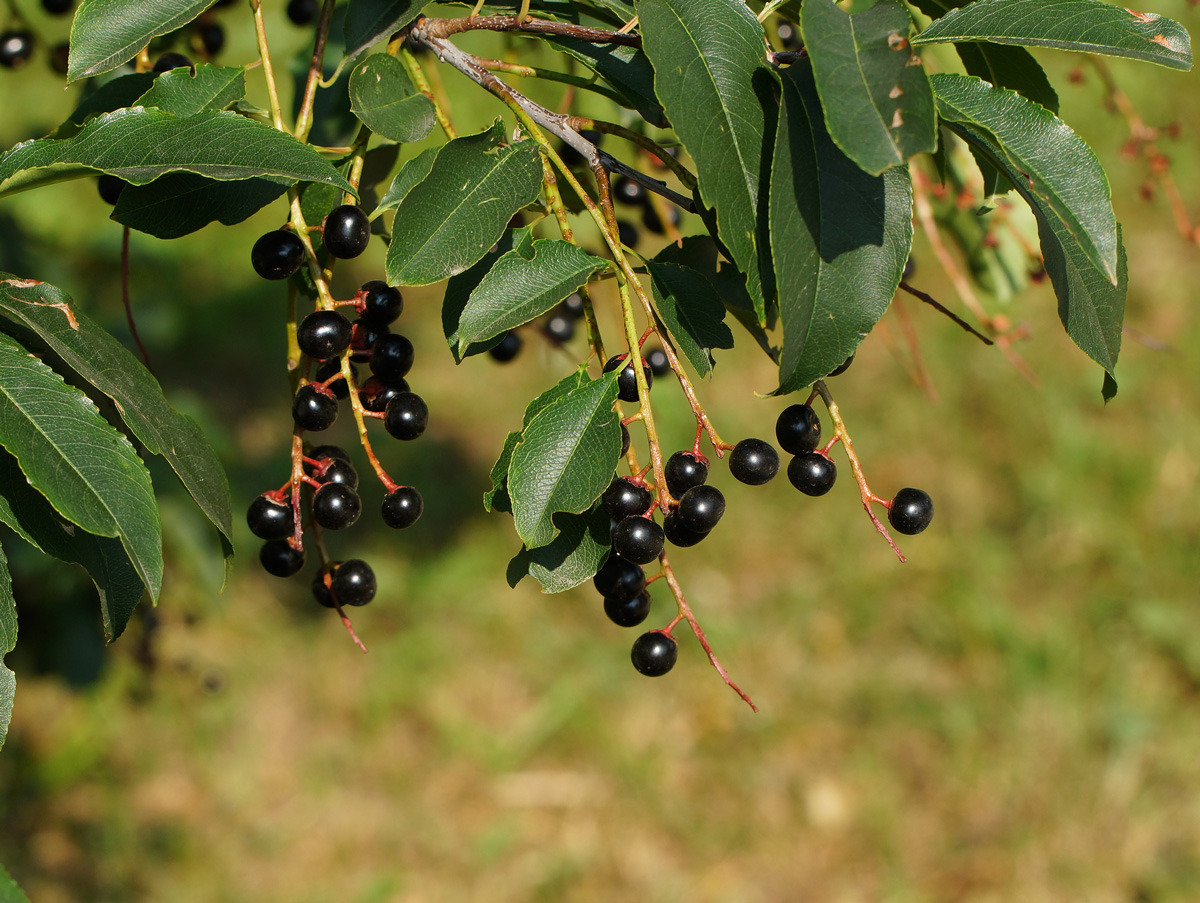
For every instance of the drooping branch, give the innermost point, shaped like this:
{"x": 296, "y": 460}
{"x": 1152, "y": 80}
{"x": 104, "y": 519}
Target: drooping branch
{"x": 443, "y": 28}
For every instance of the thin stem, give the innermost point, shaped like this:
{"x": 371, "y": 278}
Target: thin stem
{"x": 443, "y": 28}
{"x": 611, "y": 128}
{"x": 125, "y": 298}
{"x": 417, "y": 74}
{"x": 264, "y": 54}
{"x": 928, "y": 299}
{"x": 550, "y": 75}
{"x": 635, "y": 358}
{"x": 315, "y": 66}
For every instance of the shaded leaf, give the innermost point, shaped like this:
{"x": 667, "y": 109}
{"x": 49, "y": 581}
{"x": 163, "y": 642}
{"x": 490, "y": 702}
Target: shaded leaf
{"x": 368, "y": 21}
{"x": 574, "y": 556}
{"x": 8, "y": 639}
{"x": 388, "y": 103}
{"x": 627, "y": 69}
{"x": 409, "y": 176}
{"x": 182, "y": 94}
{"x": 181, "y": 202}
{"x": 120, "y": 92}
{"x": 107, "y": 33}
{"x": 459, "y": 289}
{"x": 692, "y": 311}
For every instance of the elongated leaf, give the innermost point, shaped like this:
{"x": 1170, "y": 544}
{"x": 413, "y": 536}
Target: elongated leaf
{"x": 9, "y": 892}
{"x": 574, "y": 556}
{"x": 88, "y": 471}
{"x": 840, "y": 236}
{"x": 122, "y": 91}
{"x": 106, "y": 364}
{"x": 1051, "y": 161}
{"x": 710, "y": 76}
{"x": 181, "y": 202}
{"x": 384, "y": 98}
{"x": 877, "y": 100}
{"x": 8, "y": 639}
{"x": 31, "y": 517}
{"x": 368, "y": 21}
{"x": 141, "y": 145}
{"x": 182, "y": 94}
{"x": 627, "y": 69}
{"x": 106, "y": 33}
{"x": 459, "y": 289}
{"x": 565, "y": 459}
{"x": 692, "y": 311}
{"x": 409, "y": 176}
{"x": 1087, "y": 26}
{"x": 449, "y": 220}
{"x": 516, "y": 289}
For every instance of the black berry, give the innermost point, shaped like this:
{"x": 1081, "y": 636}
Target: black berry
{"x": 270, "y": 519}
{"x": 15, "y": 49}
{"x": 653, "y": 222}
{"x": 638, "y": 539}
{"x": 212, "y": 37}
{"x": 508, "y": 348}
{"x": 629, "y": 613}
{"x": 798, "y": 429}
{"x": 623, "y": 499}
{"x": 625, "y": 440}
{"x": 375, "y": 393}
{"x": 627, "y": 378}
{"x": 335, "y": 506}
{"x": 754, "y": 462}
{"x": 812, "y": 473}
{"x": 346, "y": 231}
{"x": 627, "y": 233}
{"x": 572, "y": 306}
{"x": 277, "y": 254}
{"x": 619, "y": 579}
{"x": 302, "y": 12}
{"x": 678, "y": 533}
{"x": 169, "y": 61}
{"x": 353, "y": 583}
{"x": 342, "y": 472}
{"x": 559, "y": 328}
{"x": 322, "y": 452}
{"x": 279, "y": 558}
{"x": 701, "y": 507}
{"x": 314, "y": 410}
{"x": 323, "y": 334}
{"x": 330, "y": 373}
{"x": 684, "y": 470}
{"x": 626, "y": 191}
{"x": 911, "y": 511}
{"x": 658, "y": 362}
{"x": 392, "y": 357}
{"x": 789, "y": 35}
{"x": 407, "y": 416}
{"x": 382, "y": 303}
{"x": 364, "y": 339}
{"x": 110, "y": 188}
{"x": 654, "y": 653}
{"x": 402, "y": 507}
{"x": 60, "y": 57}
{"x": 57, "y": 7}
{"x": 320, "y": 586}
{"x": 842, "y": 367}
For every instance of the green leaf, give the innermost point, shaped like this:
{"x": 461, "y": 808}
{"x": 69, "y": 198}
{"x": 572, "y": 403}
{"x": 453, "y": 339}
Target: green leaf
{"x": 8, "y": 639}
{"x": 409, "y": 176}
{"x": 461, "y": 208}
{"x": 109, "y": 366}
{"x": 877, "y": 100}
{"x": 181, "y": 202}
{"x": 1087, "y": 26}
{"x": 106, "y": 33}
{"x": 384, "y": 98}
{"x": 574, "y": 556}
{"x": 9, "y": 892}
{"x": 368, "y": 21}
{"x": 840, "y": 236}
{"x": 31, "y": 517}
{"x": 183, "y": 94}
{"x": 692, "y": 311}
{"x": 627, "y": 69}
{"x": 710, "y": 75}
{"x": 1042, "y": 157}
{"x": 88, "y": 471}
{"x": 565, "y": 459}
{"x": 141, "y": 145}
{"x": 518, "y": 288}
{"x": 459, "y": 289}
{"x": 122, "y": 91}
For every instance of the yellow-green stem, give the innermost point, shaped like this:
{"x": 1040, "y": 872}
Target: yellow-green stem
{"x": 264, "y": 54}
{"x": 304, "y": 116}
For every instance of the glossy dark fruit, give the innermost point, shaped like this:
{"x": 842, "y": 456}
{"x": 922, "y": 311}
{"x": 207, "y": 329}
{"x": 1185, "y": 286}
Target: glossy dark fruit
{"x": 559, "y": 328}
{"x": 392, "y": 357}
{"x": 754, "y": 462}
{"x": 509, "y": 347}
{"x": 625, "y": 440}
{"x": 329, "y": 451}
{"x": 332, "y": 370}
{"x": 375, "y": 393}
{"x": 629, "y": 613}
{"x": 626, "y": 191}
{"x": 658, "y": 362}
{"x": 353, "y": 583}
{"x": 342, "y": 472}
{"x": 402, "y": 507}
{"x": 638, "y": 539}
{"x": 279, "y": 558}
{"x": 346, "y": 231}
{"x": 798, "y": 429}
{"x": 684, "y": 470}
{"x": 364, "y": 338}
{"x": 407, "y": 416}
{"x": 212, "y": 37}
{"x": 302, "y": 12}
{"x": 169, "y": 61}
{"x": 110, "y": 188}
{"x": 701, "y": 507}
{"x": 842, "y": 367}
{"x": 320, "y": 585}
{"x": 572, "y": 306}
{"x": 15, "y": 49}
{"x": 270, "y": 519}
{"x": 382, "y": 303}
{"x": 789, "y": 35}
{"x": 653, "y": 222}
{"x": 678, "y": 534}
{"x": 323, "y": 334}
{"x": 627, "y": 233}
{"x": 314, "y": 410}
{"x": 654, "y": 653}
{"x": 57, "y": 7}
{"x": 277, "y": 255}
{"x": 335, "y": 506}
{"x": 812, "y": 473}
{"x": 60, "y": 56}
{"x": 623, "y": 498}
{"x": 619, "y": 580}
{"x": 911, "y": 511}
{"x": 627, "y": 379}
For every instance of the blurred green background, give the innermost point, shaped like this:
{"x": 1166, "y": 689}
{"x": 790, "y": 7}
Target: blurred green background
{"x": 1012, "y": 715}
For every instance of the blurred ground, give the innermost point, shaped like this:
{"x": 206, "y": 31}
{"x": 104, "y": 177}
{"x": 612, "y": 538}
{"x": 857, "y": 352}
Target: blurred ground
{"x": 1012, "y": 716}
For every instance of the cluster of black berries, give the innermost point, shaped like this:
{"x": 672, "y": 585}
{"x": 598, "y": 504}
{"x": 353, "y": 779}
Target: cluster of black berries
{"x": 558, "y": 326}
{"x": 633, "y": 194}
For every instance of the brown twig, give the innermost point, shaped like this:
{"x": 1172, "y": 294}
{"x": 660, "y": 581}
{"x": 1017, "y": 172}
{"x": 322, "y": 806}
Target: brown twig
{"x": 928, "y": 299}
{"x": 443, "y": 28}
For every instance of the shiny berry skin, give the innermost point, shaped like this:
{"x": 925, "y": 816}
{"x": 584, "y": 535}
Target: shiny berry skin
{"x": 624, "y": 499}
{"x": 619, "y": 580}
{"x": 346, "y": 232}
{"x": 701, "y": 507}
{"x": 302, "y": 12}
{"x": 658, "y": 362}
{"x": 332, "y": 370}
{"x": 169, "y": 61}
{"x": 382, "y": 303}
{"x": 842, "y": 367}
{"x": 353, "y": 582}
{"x": 323, "y": 334}
{"x": 392, "y": 357}
{"x": 638, "y": 539}
{"x": 406, "y": 416}
{"x": 320, "y": 586}
{"x": 60, "y": 56}
{"x": 625, "y": 440}
{"x": 335, "y": 506}
{"x": 269, "y": 519}
{"x": 57, "y": 7}
{"x": 626, "y": 191}
{"x": 798, "y": 429}
{"x": 812, "y": 473}
{"x": 402, "y": 507}
{"x": 279, "y": 559}
{"x": 654, "y": 653}
{"x": 277, "y": 255}
{"x": 212, "y": 37}
{"x": 509, "y": 348}
{"x": 627, "y": 378}
{"x": 328, "y": 451}
{"x": 375, "y": 393}
{"x": 342, "y": 472}
{"x": 911, "y": 511}
{"x": 110, "y": 188}
{"x": 314, "y": 410}
{"x": 572, "y": 306}
{"x": 754, "y": 462}
{"x": 653, "y": 222}
{"x": 15, "y": 49}
{"x": 559, "y": 328}
{"x": 678, "y": 534}
{"x": 627, "y": 233}
{"x": 684, "y": 470}
{"x": 630, "y": 613}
